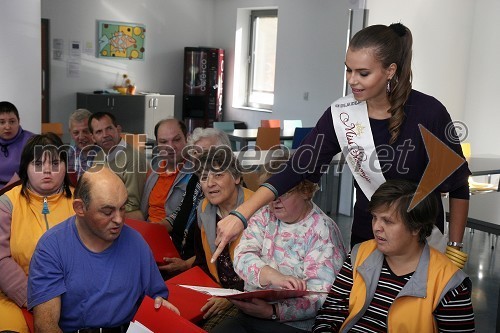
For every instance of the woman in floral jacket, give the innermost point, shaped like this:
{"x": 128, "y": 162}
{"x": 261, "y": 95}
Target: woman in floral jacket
{"x": 288, "y": 244}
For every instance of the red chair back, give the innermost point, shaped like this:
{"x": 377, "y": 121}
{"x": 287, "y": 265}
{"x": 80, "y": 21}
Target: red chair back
{"x": 273, "y": 123}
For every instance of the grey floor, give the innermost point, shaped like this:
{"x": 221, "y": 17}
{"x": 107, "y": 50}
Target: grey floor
{"x": 483, "y": 267}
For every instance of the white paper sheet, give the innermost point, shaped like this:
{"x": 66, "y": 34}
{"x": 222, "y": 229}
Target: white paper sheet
{"x": 137, "y": 327}
{"x": 221, "y": 292}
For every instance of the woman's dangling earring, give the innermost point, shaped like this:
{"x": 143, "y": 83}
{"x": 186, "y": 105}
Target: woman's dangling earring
{"x": 388, "y": 89}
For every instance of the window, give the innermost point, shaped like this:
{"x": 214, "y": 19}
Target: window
{"x": 255, "y": 58}
{"x": 262, "y": 58}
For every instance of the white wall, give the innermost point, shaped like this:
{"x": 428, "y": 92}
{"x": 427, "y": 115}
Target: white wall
{"x": 441, "y": 37}
{"x": 482, "y": 114}
{"x": 455, "y": 48}
{"x": 170, "y": 26}
{"x": 20, "y": 60}
{"x": 310, "y": 56}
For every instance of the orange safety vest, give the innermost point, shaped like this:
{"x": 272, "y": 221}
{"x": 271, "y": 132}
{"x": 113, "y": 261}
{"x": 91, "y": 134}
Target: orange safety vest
{"x": 412, "y": 312}
{"x": 28, "y": 224}
{"x": 206, "y": 244}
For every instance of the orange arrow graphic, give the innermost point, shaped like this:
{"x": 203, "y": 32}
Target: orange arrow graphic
{"x": 443, "y": 161}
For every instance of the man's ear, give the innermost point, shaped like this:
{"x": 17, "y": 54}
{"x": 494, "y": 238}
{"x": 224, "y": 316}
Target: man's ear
{"x": 119, "y": 128}
{"x": 79, "y": 207}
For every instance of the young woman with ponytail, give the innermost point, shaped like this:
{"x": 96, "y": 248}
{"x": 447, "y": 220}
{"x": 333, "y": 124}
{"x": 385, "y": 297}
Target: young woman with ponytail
{"x": 377, "y": 129}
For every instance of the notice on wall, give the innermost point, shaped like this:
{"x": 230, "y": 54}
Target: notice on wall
{"x": 75, "y": 58}
{"x": 75, "y": 50}
{"x": 57, "y": 48}
{"x": 89, "y": 48}
{"x": 73, "y": 68}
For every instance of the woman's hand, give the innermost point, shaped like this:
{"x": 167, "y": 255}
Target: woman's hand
{"x": 159, "y": 301}
{"x": 255, "y": 307}
{"x": 228, "y": 230}
{"x": 214, "y": 306}
{"x": 272, "y": 277}
{"x": 174, "y": 265}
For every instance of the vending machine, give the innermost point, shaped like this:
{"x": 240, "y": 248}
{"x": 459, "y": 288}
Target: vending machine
{"x": 203, "y": 83}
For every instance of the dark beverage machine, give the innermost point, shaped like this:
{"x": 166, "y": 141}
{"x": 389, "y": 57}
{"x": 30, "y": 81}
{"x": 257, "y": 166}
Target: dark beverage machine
{"x": 202, "y": 91}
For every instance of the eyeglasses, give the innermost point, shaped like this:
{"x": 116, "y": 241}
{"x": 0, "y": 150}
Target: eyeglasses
{"x": 214, "y": 175}
{"x": 286, "y": 195}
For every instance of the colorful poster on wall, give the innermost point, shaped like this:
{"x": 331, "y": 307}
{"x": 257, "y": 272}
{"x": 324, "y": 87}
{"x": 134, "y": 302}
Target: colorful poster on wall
{"x": 120, "y": 40}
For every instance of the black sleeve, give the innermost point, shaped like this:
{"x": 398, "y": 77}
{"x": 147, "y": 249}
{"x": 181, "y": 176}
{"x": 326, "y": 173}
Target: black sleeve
{"x": 312, "y": 158}
{"x": 199, "y": 251}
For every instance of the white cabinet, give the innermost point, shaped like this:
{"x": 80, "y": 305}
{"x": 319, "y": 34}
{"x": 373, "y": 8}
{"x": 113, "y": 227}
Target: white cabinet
{"x": 135, "y": 113}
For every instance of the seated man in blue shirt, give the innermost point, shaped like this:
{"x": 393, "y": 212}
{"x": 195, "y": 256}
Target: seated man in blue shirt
{"x": 91, "y": 272}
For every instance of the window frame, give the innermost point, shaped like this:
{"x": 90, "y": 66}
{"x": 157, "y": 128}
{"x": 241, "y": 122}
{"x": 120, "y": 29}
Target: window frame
{"x": 254, "y": 16}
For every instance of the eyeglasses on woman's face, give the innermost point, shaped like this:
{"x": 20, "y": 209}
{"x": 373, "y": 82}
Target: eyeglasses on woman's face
{"x": 287, "y": 195}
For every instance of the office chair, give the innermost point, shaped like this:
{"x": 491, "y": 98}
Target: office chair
{"x": 56, "y": 128}
{"x": 270, "y": 123}
{"x": 299, "y": 135}
{"x": 268, "y": 138}
{"x": 225, "y": 126}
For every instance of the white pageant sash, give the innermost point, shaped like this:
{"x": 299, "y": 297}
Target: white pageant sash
{"x": 352, "y": 127}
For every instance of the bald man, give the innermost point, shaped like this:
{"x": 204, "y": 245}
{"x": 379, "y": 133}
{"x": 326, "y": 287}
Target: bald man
{"x": 91, "y": 272}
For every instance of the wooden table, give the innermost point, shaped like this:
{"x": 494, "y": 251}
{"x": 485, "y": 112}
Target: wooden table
{"x": 243, "y": 136}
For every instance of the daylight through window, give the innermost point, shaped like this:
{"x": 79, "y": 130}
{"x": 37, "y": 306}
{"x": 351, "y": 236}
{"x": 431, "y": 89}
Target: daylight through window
{"x": 262, "y": 59}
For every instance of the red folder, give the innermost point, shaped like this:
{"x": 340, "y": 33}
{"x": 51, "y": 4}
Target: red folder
{"x": 163, "y": 320}
{"x": 188, "y": 301}
{"x": 265, "y": 294}
{"x": 157, "y": 237}
{"x": 28, "y": 316}
{"x": 274, "y": 294}
{"x": 194, "y": 276}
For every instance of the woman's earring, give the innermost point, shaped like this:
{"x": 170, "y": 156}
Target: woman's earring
{"x": 388, "y": 89}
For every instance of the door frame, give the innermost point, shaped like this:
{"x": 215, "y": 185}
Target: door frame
{"x": 45, "y": 72}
